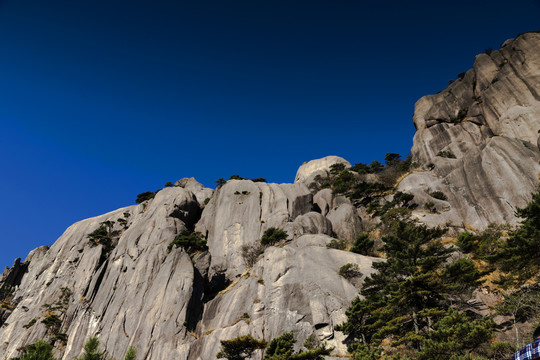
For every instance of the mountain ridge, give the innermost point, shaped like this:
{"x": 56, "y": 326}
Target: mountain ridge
{"x": 130, "y": 289}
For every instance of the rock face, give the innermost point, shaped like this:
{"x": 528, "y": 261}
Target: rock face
{"x": 476, "y": 148}
{"x": 319, "y": 167}
{"x": 478, "y": 139}
{"x": 171, "y": 305}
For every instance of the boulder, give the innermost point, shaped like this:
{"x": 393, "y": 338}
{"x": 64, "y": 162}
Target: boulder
{"x": 307, "y": 173}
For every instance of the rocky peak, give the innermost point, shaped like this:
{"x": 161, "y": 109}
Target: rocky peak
{"x": 476, "y": 141}
{"x": 118, "y": 276}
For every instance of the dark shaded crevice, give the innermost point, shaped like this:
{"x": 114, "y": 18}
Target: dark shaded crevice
{"x": 195, "y": 306}
{"x": 217, "y": 283}
{"x": 11, "y": 278}
{"x": 189, "y": 214}
{"x": 97, "y": 283}
{"x": 320, "y": 325}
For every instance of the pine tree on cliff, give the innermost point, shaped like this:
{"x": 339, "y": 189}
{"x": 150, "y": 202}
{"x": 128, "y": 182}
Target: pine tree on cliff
{"x": 520, "y": 255}
{"x": 408, "y": 299}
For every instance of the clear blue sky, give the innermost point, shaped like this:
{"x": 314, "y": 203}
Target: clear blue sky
{"x": 102, "y": 100}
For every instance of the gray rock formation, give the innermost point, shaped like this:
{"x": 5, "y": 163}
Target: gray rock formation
{"x": 241, "y": 211}
{"x": 171, "y": 305}
{"x": 479, "y": 136}
{"x": 320, "y": 167}
{"x": 476, "y": 144}
{"x": 201, "y": 193}
{"x": 346, "y": 223}
{"x": 296, "y": 287}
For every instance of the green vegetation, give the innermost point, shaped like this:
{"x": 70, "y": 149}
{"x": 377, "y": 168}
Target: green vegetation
{"x": 53, "y": 317}
{"x": 147, "y": 195}
{"x": 40, "y": 350}
{"x": 414, "y": 298}
{"x": 92, "y": 351}
{"x": 337, "y": 244}
{"x": 363, "y": 245}
{"x": 484, "y": 245}
{"x": 103, "y": 235}
{"x": 518, "y": 255}
{"x": 430, "y": 206}
{"x": 349, "y": 271}
{"x": 168, "y": 184}
{"x": 439, "y": 195}
{"x": 43, "y": 350}
{"x": 272, "y": 236}
{"x": 280, "y": 348}
{"x": 190, "y": 241}
{"x": 521, "y": 305}
{"x": 350, "y": 182}
{"x": 514, "y": 253}
{"x": 100, "y": 236}
{"x": 446, "y": 154}
{"x": 238, "y": 177}
{"x": 220, "y": 182}
{"x": 52, "y": 322}
{"x": 30, "y": 323}
{"x": 240, "y": 348}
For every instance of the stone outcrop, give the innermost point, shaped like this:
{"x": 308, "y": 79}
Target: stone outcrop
{"x": 478, "y": 160}
{"x": 296, "y": 287}
{"x": 172, "y": 305}
{"x": 307, "y": 173}
{"x": 477, "y": 140}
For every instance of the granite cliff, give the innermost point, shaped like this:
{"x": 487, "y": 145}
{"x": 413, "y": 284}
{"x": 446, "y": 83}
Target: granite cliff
{"x": 476, "y": 142}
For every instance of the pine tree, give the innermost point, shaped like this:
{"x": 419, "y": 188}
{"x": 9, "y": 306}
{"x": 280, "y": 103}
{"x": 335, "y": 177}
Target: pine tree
{"x": 363, "y": 245}
{"x": 411, "y": 291}
{"x": 240, "y": 348}
{"x": 454, "y": 336}
{"x": 91, "y": 350}
{"x": 520, "y": 255}
{"x": 280, "y": 347}
{"x": 40, "y": 350}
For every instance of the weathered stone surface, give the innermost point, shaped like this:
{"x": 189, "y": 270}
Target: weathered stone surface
{"x": 345, "y": 222}
{"x": 201, "y": 193}
{"x": 480, "y": 136}
{"x": 502, "y": 89}
{"x": 296, "y": 287}
{"x": 138, "y": 296}
{"x": 310, "y": 223}
{"x": 326, "y": 201}
{"x": 240, "y": 212}
{"x": 319, "y": 167}
{"x": 171, "y": 305}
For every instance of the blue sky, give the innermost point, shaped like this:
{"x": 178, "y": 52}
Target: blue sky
{"x": 102, "y": 100}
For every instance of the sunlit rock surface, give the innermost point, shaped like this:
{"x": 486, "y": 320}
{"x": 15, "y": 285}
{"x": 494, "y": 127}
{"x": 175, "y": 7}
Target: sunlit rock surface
{"x": 479, "y": 137}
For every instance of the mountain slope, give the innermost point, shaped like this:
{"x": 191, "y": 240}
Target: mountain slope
{"x": 114, "y": 276}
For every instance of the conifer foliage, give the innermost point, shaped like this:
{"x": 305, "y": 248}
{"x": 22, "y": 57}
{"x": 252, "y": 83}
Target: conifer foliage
{"x": 520, "y": 255}
{"x": 240, "y": 348}
{"x": 409, "y": 299}
{"x": 40, "y": 350}
{"x": 280, "y": 348}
